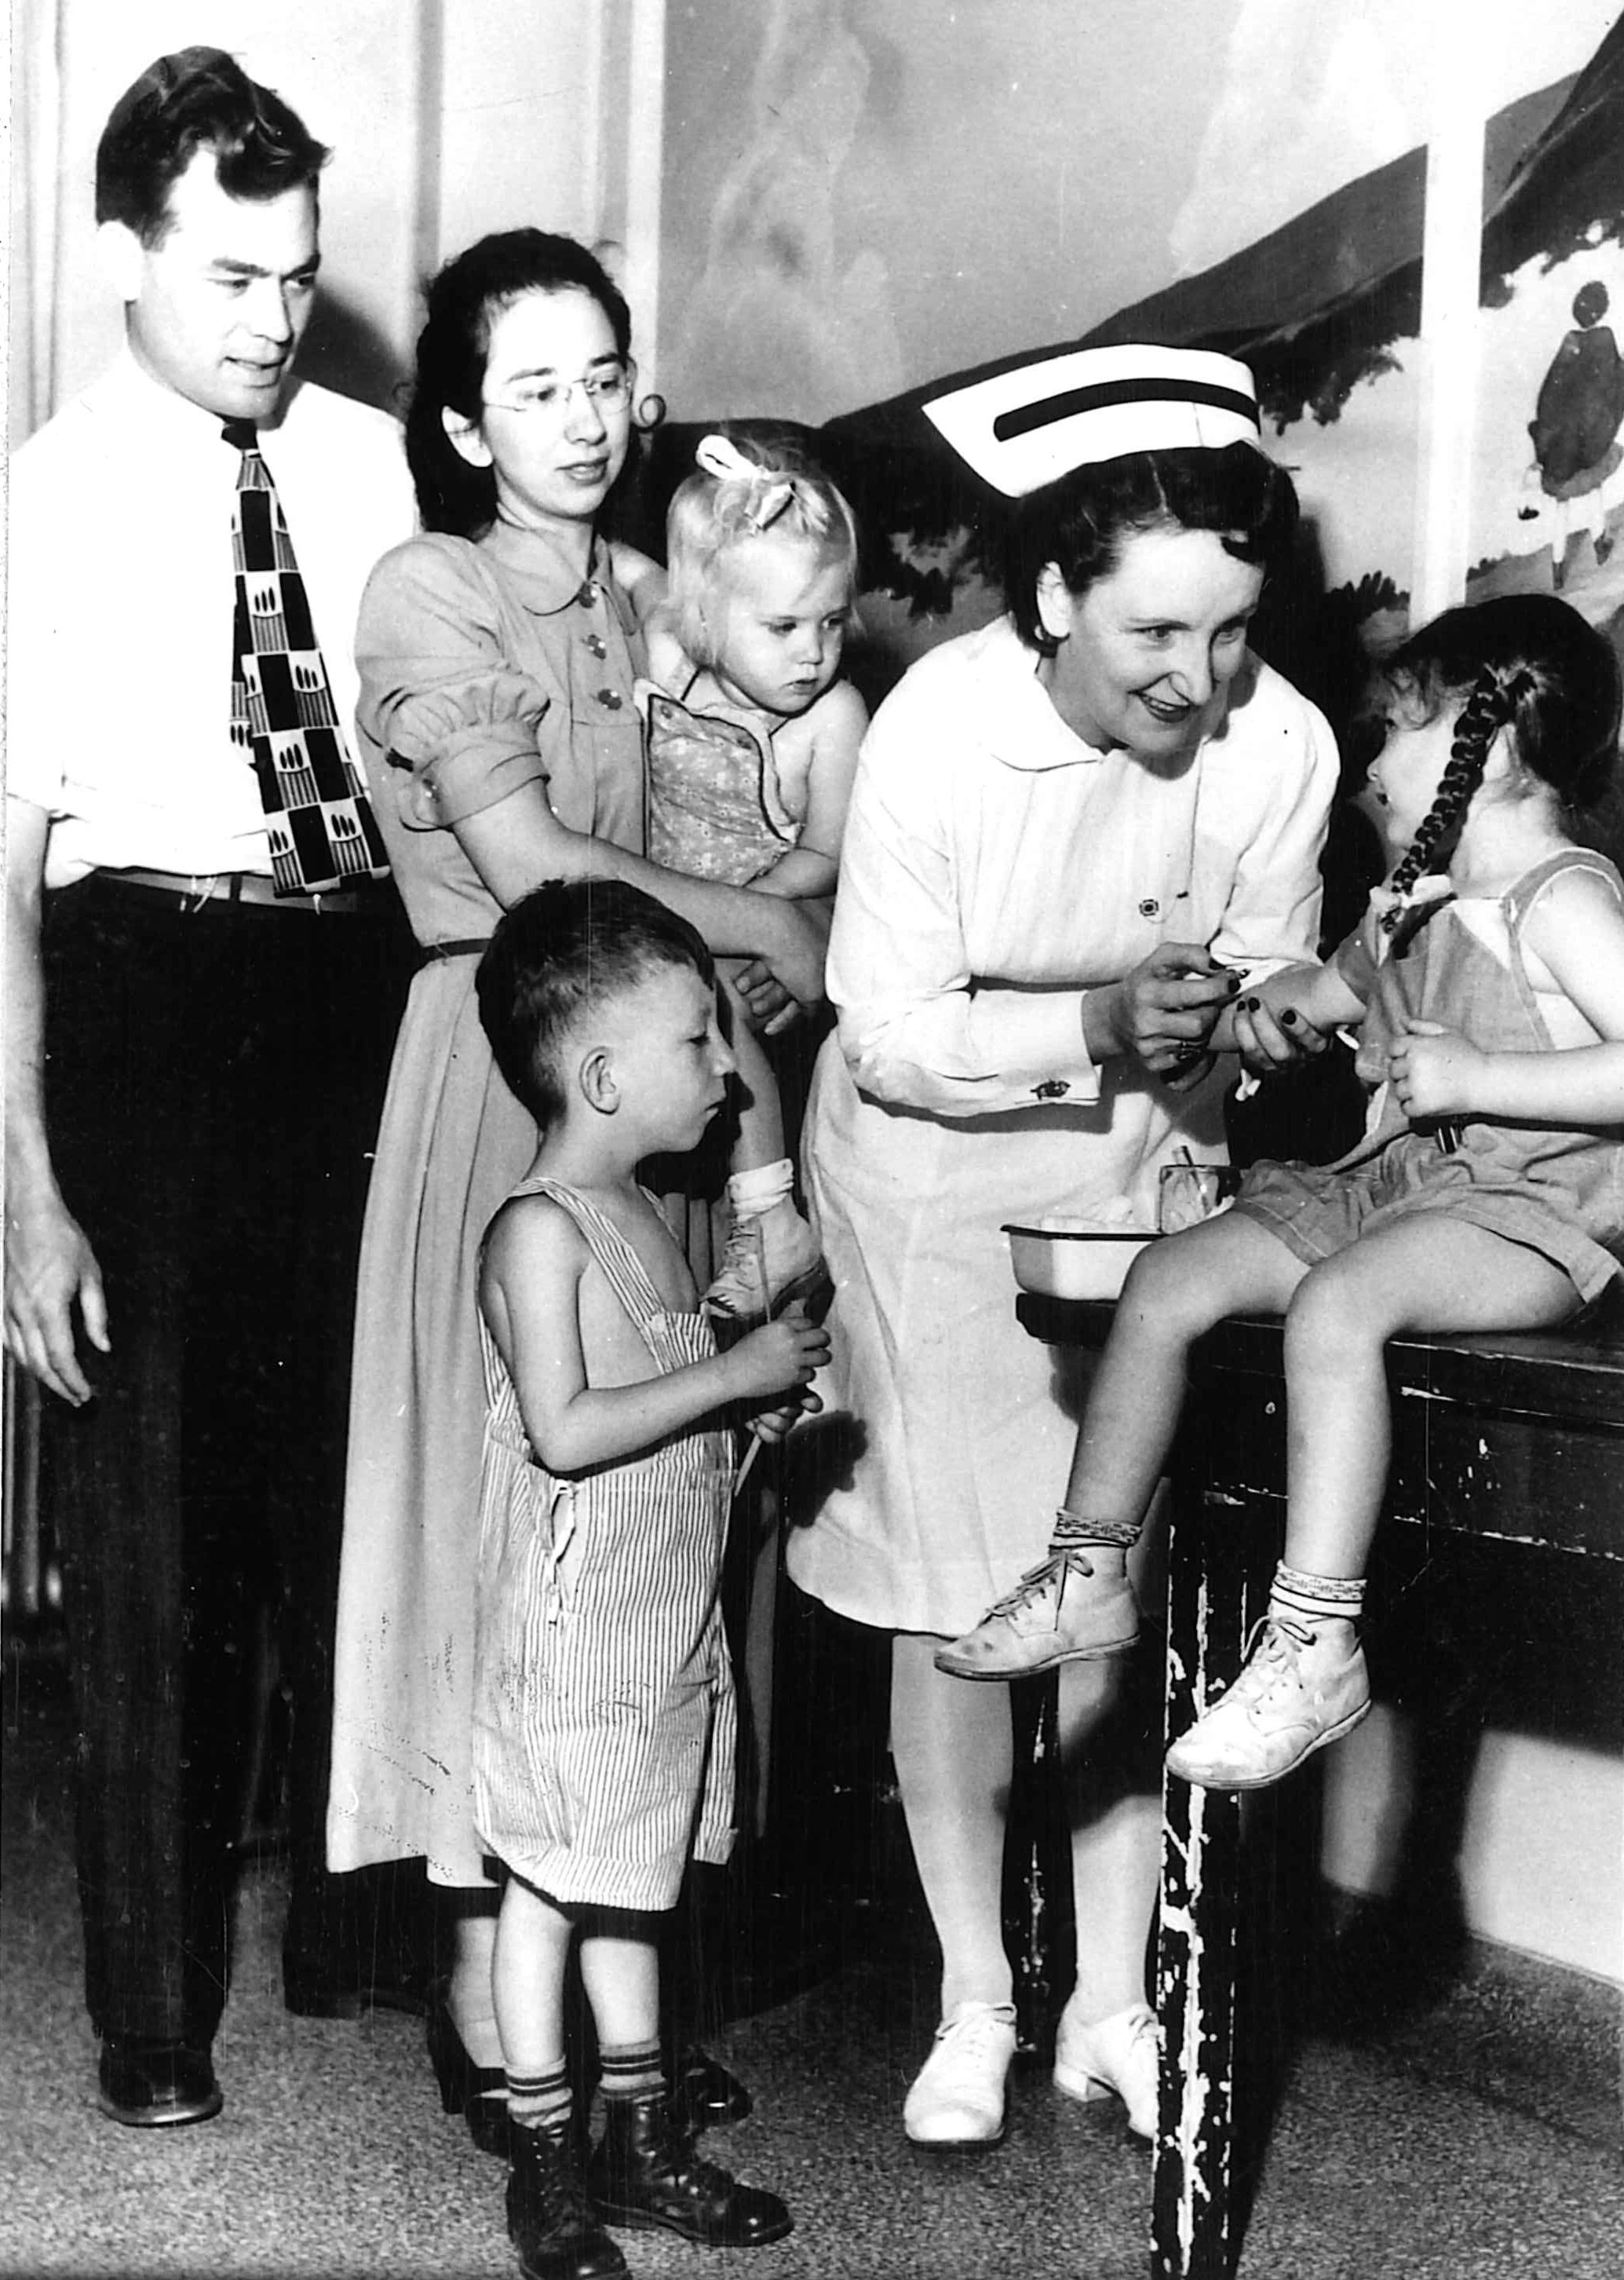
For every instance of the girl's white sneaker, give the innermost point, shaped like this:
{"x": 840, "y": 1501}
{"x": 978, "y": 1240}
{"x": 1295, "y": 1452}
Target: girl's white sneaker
{"x": 957, "y": 2095}
{"x": 1304, "y": 1684}
{"x": 1116, "y": 2057}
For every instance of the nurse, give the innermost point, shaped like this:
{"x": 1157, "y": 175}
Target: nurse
{"x": 1071, "y": 831}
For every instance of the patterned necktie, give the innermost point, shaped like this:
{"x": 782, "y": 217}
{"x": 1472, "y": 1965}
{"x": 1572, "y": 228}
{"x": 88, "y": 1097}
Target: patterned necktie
{"x": 318, "y": 818}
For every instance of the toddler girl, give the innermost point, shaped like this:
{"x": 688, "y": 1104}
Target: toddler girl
{"x": 604, "y": 1717}
{"x": 752, "y": 740}
{"x": 1487, "y": 982}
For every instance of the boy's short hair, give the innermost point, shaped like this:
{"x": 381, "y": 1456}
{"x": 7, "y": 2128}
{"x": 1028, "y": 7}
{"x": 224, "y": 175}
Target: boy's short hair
{"x": 783, "y": 490}
{"x": 562, "y": 952}
{"x": 198, "y": 100}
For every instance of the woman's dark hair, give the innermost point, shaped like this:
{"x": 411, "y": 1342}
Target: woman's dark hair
{"x": 569, "y": 946}
{"x": 464, "y": 302}
{"x": 198, "y": 100}
{"x": 1081, "y": 523}
{"x": 1526, "y": 661}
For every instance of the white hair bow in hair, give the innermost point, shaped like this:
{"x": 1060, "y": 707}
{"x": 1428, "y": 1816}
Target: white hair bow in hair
{"x": 720, "y": 457}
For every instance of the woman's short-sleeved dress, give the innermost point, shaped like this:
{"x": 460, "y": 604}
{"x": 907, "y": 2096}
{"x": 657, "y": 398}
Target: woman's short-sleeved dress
{"x": 484, "y": 666}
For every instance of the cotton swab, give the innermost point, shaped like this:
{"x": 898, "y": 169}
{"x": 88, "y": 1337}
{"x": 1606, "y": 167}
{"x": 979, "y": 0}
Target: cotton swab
{"x": 758, "y": 1239}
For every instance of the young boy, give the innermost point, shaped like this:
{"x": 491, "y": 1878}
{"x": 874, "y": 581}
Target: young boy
{"x": 604, "y": 1714}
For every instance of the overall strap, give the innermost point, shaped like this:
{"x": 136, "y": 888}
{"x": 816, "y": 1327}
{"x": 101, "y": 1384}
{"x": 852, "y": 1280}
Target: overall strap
{"x": 628, "y": 1278}
{"x": 1527, "y": 892}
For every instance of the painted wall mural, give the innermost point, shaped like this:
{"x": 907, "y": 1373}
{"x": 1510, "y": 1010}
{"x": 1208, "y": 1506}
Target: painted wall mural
{"x": 777, "y": 317}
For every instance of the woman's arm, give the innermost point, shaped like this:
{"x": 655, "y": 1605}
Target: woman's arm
{"x": 1576, "y": 931}
{"x": 519, "y": 842}
{"x": 473, "y": 729}
{"x": 530, "y": 1294}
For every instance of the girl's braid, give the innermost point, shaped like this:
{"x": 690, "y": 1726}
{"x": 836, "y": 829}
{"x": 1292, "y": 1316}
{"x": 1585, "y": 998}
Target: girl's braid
{"x": 1492, "y": 703}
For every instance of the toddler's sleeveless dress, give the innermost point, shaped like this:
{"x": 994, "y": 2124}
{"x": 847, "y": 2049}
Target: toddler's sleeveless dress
{"x": 715, "y": 808}
{"x": 603, "y": 1722}
{"x": 1557, "y": 1191}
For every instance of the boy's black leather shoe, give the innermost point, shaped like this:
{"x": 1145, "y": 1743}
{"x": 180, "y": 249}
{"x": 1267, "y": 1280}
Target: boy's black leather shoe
{"x": 151, "y": 2085}
{"x": 549, "y": 2221}
{"x": 645, "y": 2172}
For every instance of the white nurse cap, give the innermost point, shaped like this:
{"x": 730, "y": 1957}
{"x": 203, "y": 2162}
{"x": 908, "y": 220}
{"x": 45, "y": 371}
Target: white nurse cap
{"x": 1027, "y": 427}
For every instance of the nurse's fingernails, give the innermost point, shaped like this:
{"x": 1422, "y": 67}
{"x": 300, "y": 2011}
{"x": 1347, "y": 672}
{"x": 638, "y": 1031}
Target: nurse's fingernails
{"x": 1234, "y": 984}
{"x": 1250, "y": 1004}
{"x": 1288, "y": 1019}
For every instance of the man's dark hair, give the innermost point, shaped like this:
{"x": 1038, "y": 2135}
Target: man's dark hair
{"x": 198, "y": 100}
{"x": 564, "y": 951}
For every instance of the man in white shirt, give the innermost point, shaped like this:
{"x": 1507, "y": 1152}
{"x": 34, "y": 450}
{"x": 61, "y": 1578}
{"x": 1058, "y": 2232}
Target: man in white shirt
{"x": 196, "y": 1046}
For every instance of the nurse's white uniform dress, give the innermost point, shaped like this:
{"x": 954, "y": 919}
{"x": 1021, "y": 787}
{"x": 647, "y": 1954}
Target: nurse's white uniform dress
{"x": 994, "y": 868}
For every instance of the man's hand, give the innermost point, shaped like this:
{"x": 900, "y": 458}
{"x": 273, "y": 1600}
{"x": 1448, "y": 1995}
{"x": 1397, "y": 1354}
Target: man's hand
{"x": 49, "y": 1268}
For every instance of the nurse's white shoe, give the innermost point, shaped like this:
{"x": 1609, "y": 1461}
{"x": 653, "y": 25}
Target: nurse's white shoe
{"x": 957, "y": 2095}
{"x": 1116, "y": 2057}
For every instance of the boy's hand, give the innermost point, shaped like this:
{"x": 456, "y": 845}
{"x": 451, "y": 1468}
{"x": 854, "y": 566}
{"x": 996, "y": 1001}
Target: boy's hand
{"x": 780, "y": 1355}
{"x": 773, "y": 1425}
{"x": 1435, "y": 1070}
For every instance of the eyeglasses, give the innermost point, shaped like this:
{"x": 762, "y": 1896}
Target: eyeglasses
{"x": 609, "y": 389}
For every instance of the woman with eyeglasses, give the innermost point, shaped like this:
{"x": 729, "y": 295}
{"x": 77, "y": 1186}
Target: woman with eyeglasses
{"x": 497, "y": 653}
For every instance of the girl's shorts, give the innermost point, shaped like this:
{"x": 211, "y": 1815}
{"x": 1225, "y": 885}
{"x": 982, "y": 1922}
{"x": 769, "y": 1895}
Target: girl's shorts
{"x": 1318, "y": 1210}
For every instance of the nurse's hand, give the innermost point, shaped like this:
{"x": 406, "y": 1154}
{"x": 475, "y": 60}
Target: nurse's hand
{"x": 1161, "y": 1015}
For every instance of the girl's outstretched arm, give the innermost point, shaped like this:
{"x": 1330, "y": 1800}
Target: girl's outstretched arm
{"x": 530, "y": 1296}
{"x": 1575, "y": 931}
{"x": 1288, "y": 1009}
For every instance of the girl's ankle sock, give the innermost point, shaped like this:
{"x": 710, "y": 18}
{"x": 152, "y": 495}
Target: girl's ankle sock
{"x": 630, "y": 2069}
{"x": 1070, "y": 1529}
{"x": 752, "y": 1193}
{"x": 1316, "y": 1599}
{"x": 541, "y": 2102}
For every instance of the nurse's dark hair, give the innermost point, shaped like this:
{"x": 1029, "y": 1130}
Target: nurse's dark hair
{"x": 1528, "y": 663}
{"x": 198, "y": 100}
{"x": 1081, "y": 523}
{"x": 560, "y": 955}
{"x": 464, "y": 299}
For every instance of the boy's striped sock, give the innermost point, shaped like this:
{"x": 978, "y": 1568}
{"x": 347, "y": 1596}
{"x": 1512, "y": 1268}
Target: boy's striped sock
{"x": 541, "y": 2102}
{"x": 630, "y": 2069}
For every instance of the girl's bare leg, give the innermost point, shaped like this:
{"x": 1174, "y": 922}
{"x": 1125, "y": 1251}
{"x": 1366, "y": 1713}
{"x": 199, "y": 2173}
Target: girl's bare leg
{"x": 772, "y": 1254}
{"x": 1305, "y": 1683}
{"x": 761, "y": 1140}
{"x": 1078, "y": 1603}
{"x": 1426, "y": 1273}
{"x": 1175, "y": 1291}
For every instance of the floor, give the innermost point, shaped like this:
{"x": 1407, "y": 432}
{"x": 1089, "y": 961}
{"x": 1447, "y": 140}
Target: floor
{"x": 1464, "y": 2125}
